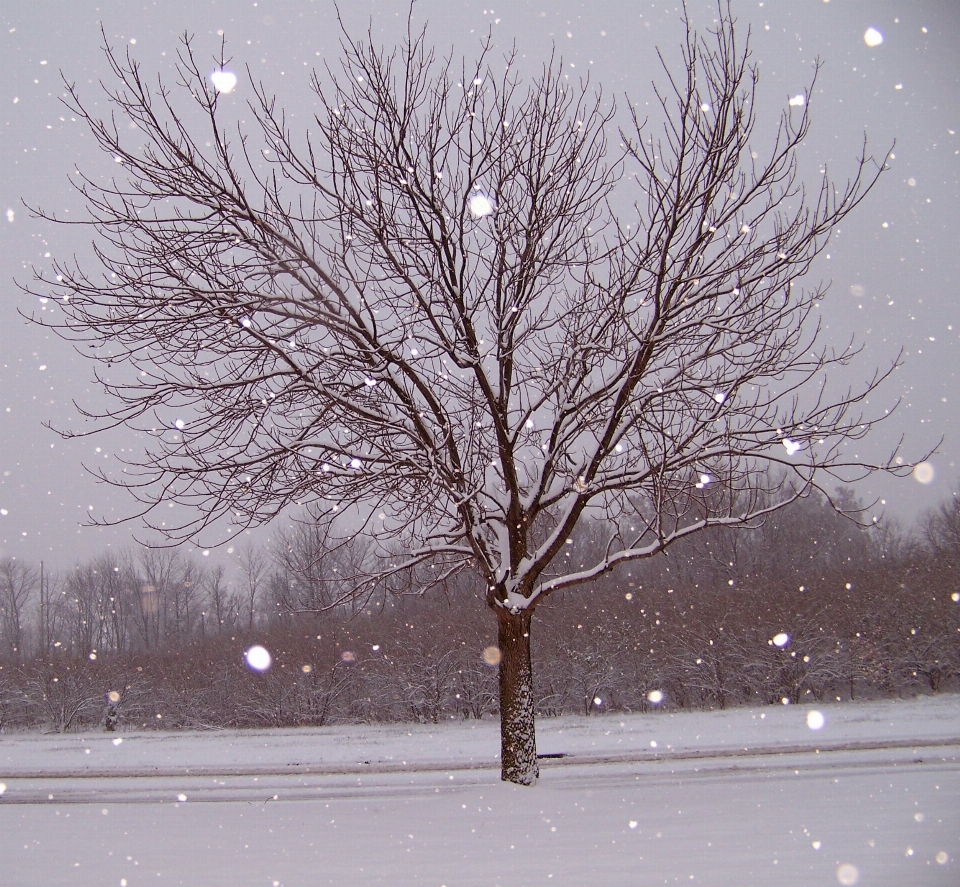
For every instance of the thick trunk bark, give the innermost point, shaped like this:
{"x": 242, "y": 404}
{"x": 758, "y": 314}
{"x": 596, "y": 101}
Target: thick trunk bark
{"x": 518, "y": 742}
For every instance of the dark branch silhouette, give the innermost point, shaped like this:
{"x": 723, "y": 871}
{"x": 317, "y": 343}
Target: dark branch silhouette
{"x": 461, "y": 311}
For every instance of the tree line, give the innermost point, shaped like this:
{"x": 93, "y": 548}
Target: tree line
{"x": 805, "y": 606}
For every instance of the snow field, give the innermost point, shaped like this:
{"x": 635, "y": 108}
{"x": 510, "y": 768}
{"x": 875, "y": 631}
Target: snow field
{"x": 723, "y": 798}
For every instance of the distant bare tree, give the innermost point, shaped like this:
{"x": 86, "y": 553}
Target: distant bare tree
{"x": 316, "y": 571}
{"x": 63, "y": 693}
{"x": 476, "y": 686}
{"x": 253, "y": 568}
{"x": 223, "y": 607}
{"x": 18, "y": 581}
{"x": 100, "y": 600}
{"x": 423, "y": 677}
{"x": 455, "y": 316}
{"x": 320, "y": 691}
{"x": 12, "y": 702}
{"x": 592, "y": 661}
{"x": 169, "y": 602}
{"x": 940, "y": 537}
{"x": 51, "y": 613}
{"x": 933, "y": 638}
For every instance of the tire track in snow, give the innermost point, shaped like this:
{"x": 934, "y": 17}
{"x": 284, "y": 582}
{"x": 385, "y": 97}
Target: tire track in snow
{"x": 551, "y": 760}
{"x": 260, "y": 785}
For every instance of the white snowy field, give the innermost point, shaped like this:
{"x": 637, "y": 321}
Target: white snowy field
{"x": 740, "y": 797}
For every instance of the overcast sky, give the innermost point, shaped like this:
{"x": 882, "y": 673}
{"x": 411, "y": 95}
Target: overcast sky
{"x": 894, "y": 267}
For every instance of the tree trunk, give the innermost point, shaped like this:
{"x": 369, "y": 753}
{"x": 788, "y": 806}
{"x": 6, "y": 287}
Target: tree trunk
{"x": 518, "y": 741}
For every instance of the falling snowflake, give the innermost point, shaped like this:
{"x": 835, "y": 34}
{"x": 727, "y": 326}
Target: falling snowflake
{"x": 791, "y": 446}
{"x": 491, "y": 655}
{"x": 872, "y": 37}
{"x": 480, "y": 204}
{"x": 258, "y": 658}
{"x": 223, "y": 81}
{"x": 848, "y": 874}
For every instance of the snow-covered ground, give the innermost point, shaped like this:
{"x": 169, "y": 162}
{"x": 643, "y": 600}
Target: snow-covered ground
{"x": 741, "y": 797}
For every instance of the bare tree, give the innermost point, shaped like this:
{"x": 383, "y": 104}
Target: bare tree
{"x": 456, "y": 315}
{"x": 253, "y": 575}
{"x": 51, "y": 614}
{"x": 18, "y": 581}
{"x": 476, "y": 687}
{"x": 63, "y": 693}
{"x": 424, "y": 677}
{"x": 316, "y": 571}
{"x": 940, "y": 536}
{"x": 169, "y": 601}
{"x": 223, "y": 608}
{"x": 100, "y": 601}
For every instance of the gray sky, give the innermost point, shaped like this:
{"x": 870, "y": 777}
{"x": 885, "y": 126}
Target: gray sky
{"x": 894, "y": 267}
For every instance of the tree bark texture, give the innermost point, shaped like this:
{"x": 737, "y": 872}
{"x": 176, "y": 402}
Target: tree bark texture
{"x": 518, "y": 741}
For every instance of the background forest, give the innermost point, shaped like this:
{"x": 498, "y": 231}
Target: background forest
{"x": 807, "y": 606}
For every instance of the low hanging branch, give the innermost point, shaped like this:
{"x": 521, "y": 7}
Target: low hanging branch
{"x": 452, "y": 317}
